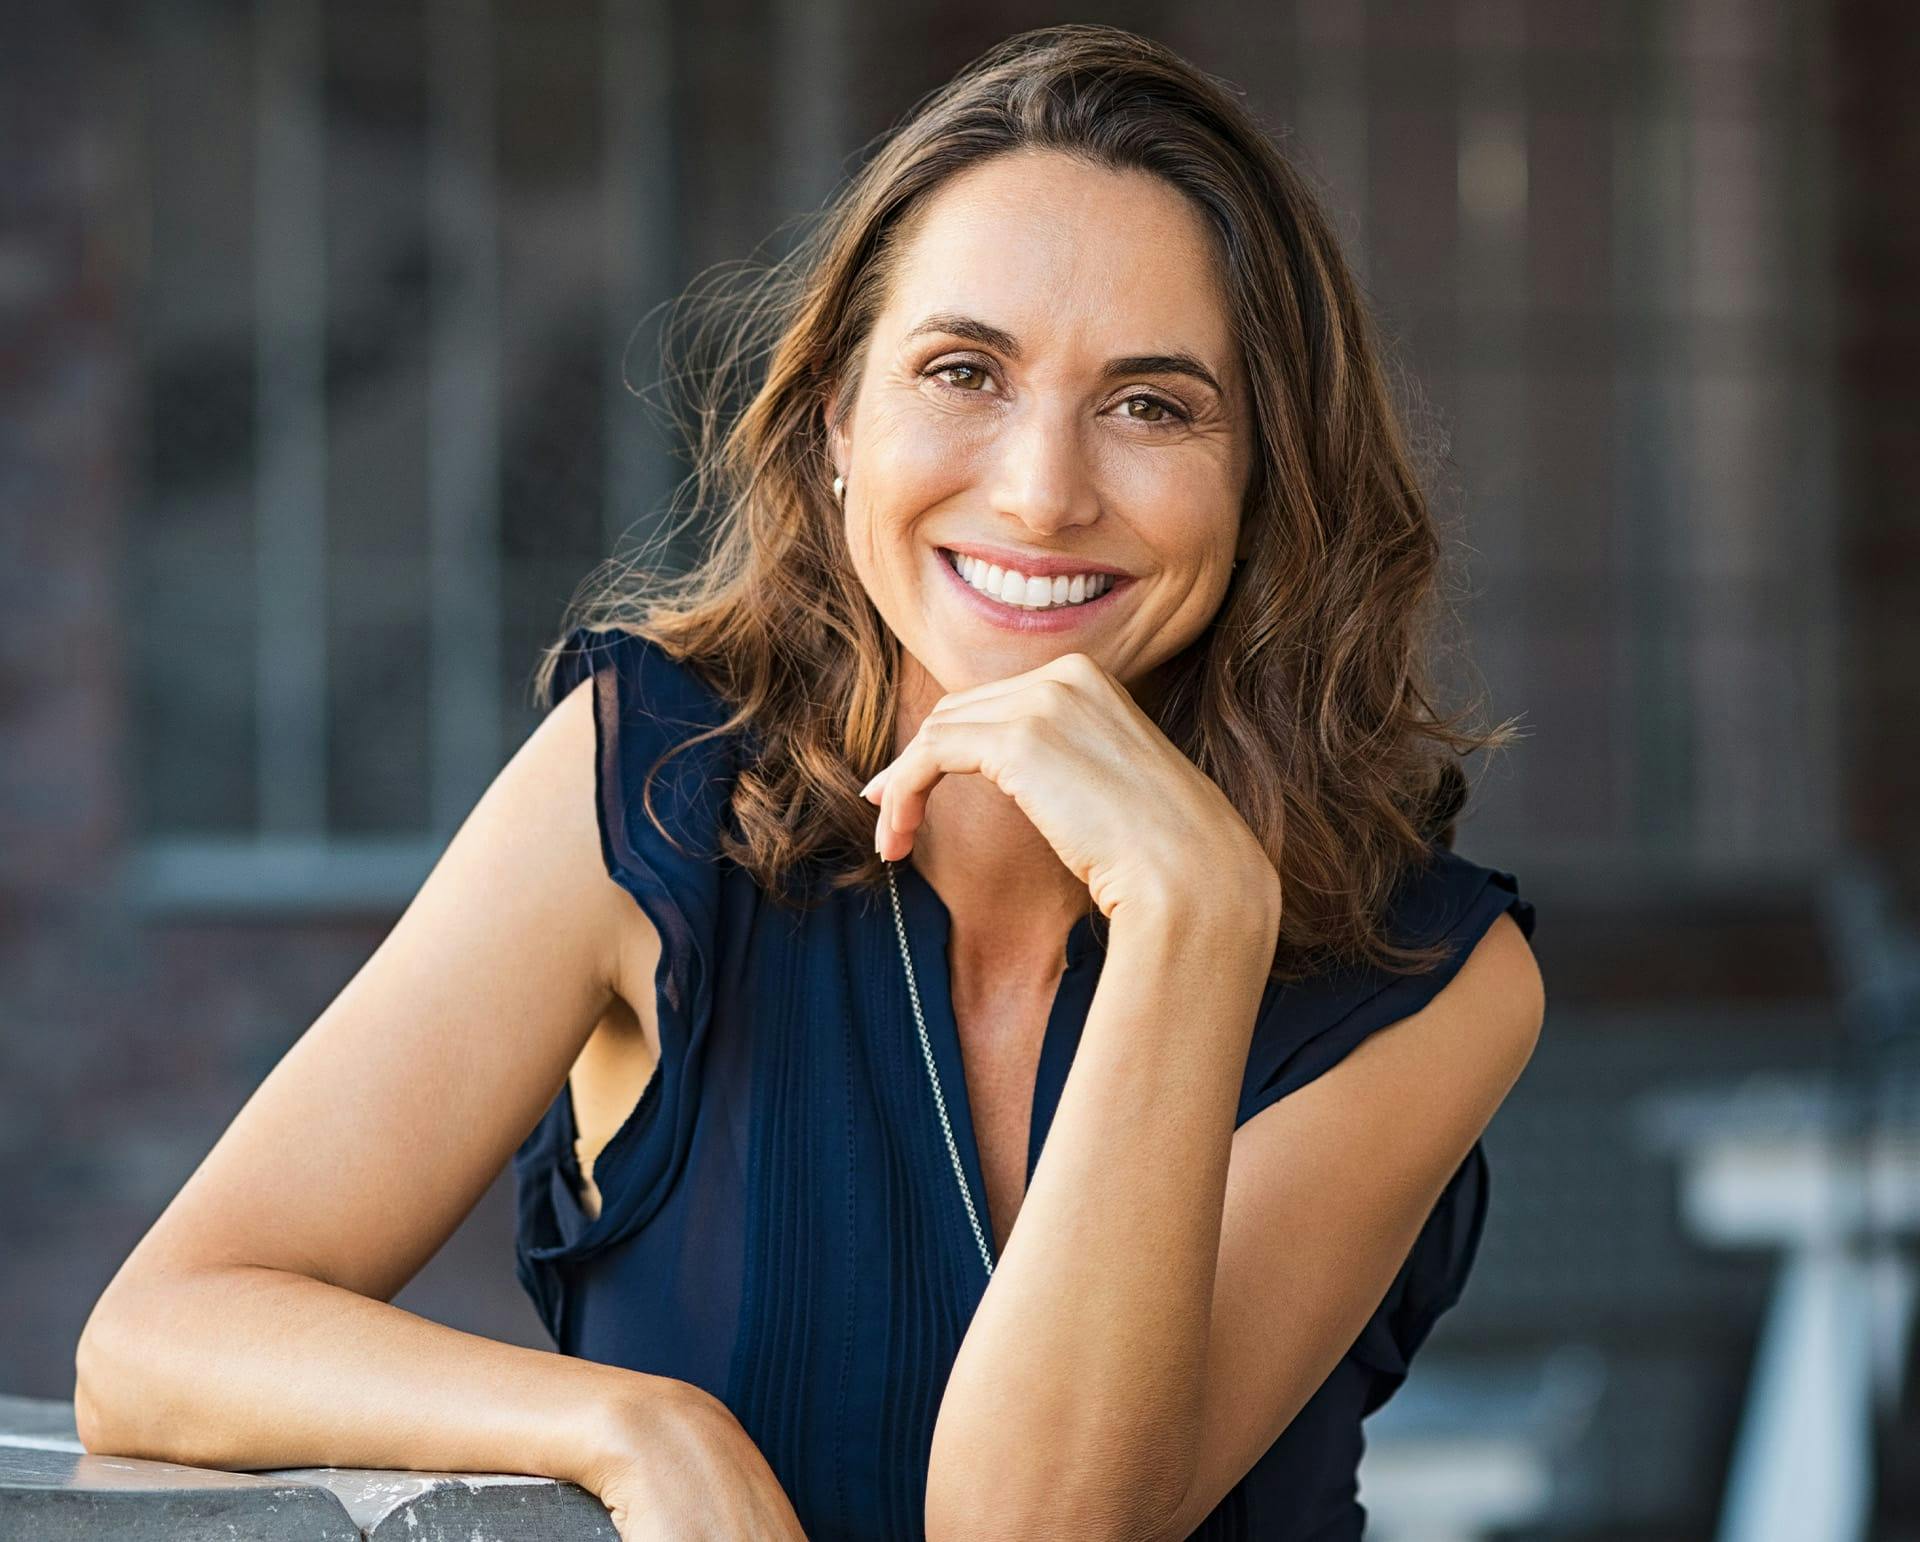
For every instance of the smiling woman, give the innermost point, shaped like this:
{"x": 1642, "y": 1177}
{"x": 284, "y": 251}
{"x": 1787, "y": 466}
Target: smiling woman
{"x": 1067, "y": 495}
{"x": 1083, "y": 1140}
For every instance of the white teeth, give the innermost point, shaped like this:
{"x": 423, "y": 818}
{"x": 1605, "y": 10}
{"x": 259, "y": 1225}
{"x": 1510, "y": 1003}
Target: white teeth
{"x": 1017, "y": 589}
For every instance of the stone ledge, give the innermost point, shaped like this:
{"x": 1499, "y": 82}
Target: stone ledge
{"x": 52, "y": 1489}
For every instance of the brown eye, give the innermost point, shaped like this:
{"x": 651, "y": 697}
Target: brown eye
{"x": 948, "y": 369}
{"x": 1168, "y": 412}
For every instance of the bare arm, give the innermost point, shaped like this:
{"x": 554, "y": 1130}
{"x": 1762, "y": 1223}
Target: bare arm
{"x": 1327, "y": 1193}
{"x": 1174, "y": 1290}
{"x": 251, "y": 1327}
{"x": 1090, "y": 1341}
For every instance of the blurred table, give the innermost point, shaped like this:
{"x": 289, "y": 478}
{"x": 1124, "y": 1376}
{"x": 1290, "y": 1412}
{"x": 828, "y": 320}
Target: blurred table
{"x": 1466, "y": 1450}
{"x": 1826, "y": 1171}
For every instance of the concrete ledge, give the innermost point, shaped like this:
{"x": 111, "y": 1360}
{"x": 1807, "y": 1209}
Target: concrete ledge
{"x": 52, "y": 1489}
{"x": 460, "y": 1506}
{"x": 68, "y": 1496}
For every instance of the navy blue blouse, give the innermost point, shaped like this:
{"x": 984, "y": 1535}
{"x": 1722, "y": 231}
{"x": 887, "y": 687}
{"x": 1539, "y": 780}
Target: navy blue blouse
{"x": 779, "y": 1219}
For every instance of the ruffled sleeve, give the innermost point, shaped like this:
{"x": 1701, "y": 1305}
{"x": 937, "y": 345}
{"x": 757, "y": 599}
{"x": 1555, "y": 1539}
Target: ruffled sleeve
{"x": 643, "y": 702}
{"x": 1307, "y": 1027}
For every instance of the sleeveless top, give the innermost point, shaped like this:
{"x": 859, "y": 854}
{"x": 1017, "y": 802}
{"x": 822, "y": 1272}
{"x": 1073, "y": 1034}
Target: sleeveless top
{"x": 780, "y": 1223}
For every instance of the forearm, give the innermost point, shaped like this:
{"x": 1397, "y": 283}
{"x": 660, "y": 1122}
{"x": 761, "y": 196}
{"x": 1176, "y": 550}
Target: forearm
{"x": 1079, "y": 1381}
{"x": 249, "y": 1368}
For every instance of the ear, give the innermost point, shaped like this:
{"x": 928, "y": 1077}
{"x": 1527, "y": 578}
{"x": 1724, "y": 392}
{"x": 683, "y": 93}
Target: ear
{"x": 841, "y": 446}
{"x": 839, "y": 441}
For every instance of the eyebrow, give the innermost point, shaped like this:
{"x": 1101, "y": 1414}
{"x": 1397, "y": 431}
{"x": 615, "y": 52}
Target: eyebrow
{"x": 989, "y": 336}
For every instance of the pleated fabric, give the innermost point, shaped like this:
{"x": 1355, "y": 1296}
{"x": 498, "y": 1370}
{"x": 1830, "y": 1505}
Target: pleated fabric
{"x": 779, "y": 1220}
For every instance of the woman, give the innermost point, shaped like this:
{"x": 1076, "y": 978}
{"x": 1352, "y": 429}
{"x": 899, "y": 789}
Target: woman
{"x": 1015, "y": 1153}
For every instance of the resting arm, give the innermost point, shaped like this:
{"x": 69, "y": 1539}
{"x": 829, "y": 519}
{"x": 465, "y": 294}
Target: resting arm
{"x": 1073, "y": 1405}
{"x": 253, "y": 1327}
{"x": 1328, "y": 1190}
{"x": 1174, "y": 1291}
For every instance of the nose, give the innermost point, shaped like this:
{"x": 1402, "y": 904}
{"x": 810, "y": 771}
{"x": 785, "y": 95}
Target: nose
{"x": 1041, "y": 476}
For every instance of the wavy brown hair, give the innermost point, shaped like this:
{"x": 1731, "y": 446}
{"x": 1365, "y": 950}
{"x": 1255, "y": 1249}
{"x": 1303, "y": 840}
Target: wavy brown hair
{"x": 1307, "y": 699}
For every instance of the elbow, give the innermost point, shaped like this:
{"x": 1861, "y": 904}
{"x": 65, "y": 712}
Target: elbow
{"x": 94, "y": 1377}
{"x": 1044, "y": 1502}
{"x": 1116, "y": 1469}
{"x": 113, "y": 1375}
{"x": 89, "y": 1421}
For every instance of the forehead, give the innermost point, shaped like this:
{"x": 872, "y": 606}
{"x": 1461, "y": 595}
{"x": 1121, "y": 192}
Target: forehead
{"x": 1067, "y": 255}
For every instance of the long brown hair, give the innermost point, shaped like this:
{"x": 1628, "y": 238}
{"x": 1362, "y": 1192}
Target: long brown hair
{"x": 1307, "y": 699}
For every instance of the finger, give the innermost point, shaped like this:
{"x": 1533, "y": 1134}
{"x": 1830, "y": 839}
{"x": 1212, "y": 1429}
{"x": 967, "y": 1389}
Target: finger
{"x": 1000, "y": 698}
{"x": 1043, "y": 699}
{"x": 949, "y": 748}
{"x": 1065, "y": 667}
{"x": 890, "y": 840}
{"x": 1050, "y": 698}
{"x": 875, "y": 790}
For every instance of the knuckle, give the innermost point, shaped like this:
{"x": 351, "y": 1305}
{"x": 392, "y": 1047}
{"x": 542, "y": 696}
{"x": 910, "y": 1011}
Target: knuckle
{"x": 1029, "y": 730}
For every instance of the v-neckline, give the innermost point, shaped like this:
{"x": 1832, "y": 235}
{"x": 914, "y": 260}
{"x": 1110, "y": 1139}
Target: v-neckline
{"x": 929, "y": 925}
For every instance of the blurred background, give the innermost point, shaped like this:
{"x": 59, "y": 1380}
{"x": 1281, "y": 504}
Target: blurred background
{"x": 314, "y": 320}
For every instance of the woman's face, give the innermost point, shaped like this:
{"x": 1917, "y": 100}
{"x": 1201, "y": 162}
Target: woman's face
{"x": 1054, "y": 382}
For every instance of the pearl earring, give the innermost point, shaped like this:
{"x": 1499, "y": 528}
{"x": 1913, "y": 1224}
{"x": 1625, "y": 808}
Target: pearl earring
{"x": 839, "y": 489}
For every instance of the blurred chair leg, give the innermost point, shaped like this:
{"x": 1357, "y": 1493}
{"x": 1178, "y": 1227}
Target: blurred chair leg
{"x": 1894, "y": 1282}
{"x": 1802, "y": 1464}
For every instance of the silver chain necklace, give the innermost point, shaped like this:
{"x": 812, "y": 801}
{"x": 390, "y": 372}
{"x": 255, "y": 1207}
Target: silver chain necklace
{"x": 933, "y": 1075}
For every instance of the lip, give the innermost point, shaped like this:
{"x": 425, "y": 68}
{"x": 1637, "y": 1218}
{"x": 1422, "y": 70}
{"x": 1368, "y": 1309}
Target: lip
{"x": 1033, "y": 564}
{"x": 1011, "y": 618}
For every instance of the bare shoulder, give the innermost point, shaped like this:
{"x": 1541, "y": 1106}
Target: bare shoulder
{"x": 1483, "y": 1024}
{"x": 570, "y": 790}
{"x": 550, "y": 792}
{"x": 390, "y": 1115}
{"x": 1502, "y": 976}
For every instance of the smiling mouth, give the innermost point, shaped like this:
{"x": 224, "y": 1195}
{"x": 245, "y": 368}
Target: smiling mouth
{"x": 1019, "y": 591}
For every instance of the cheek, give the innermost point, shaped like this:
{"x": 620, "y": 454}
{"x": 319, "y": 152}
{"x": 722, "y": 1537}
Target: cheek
{"x": 1145, "y": 481}
{"x": 1184, "y": 500}
{"x": 917, "y": 457}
